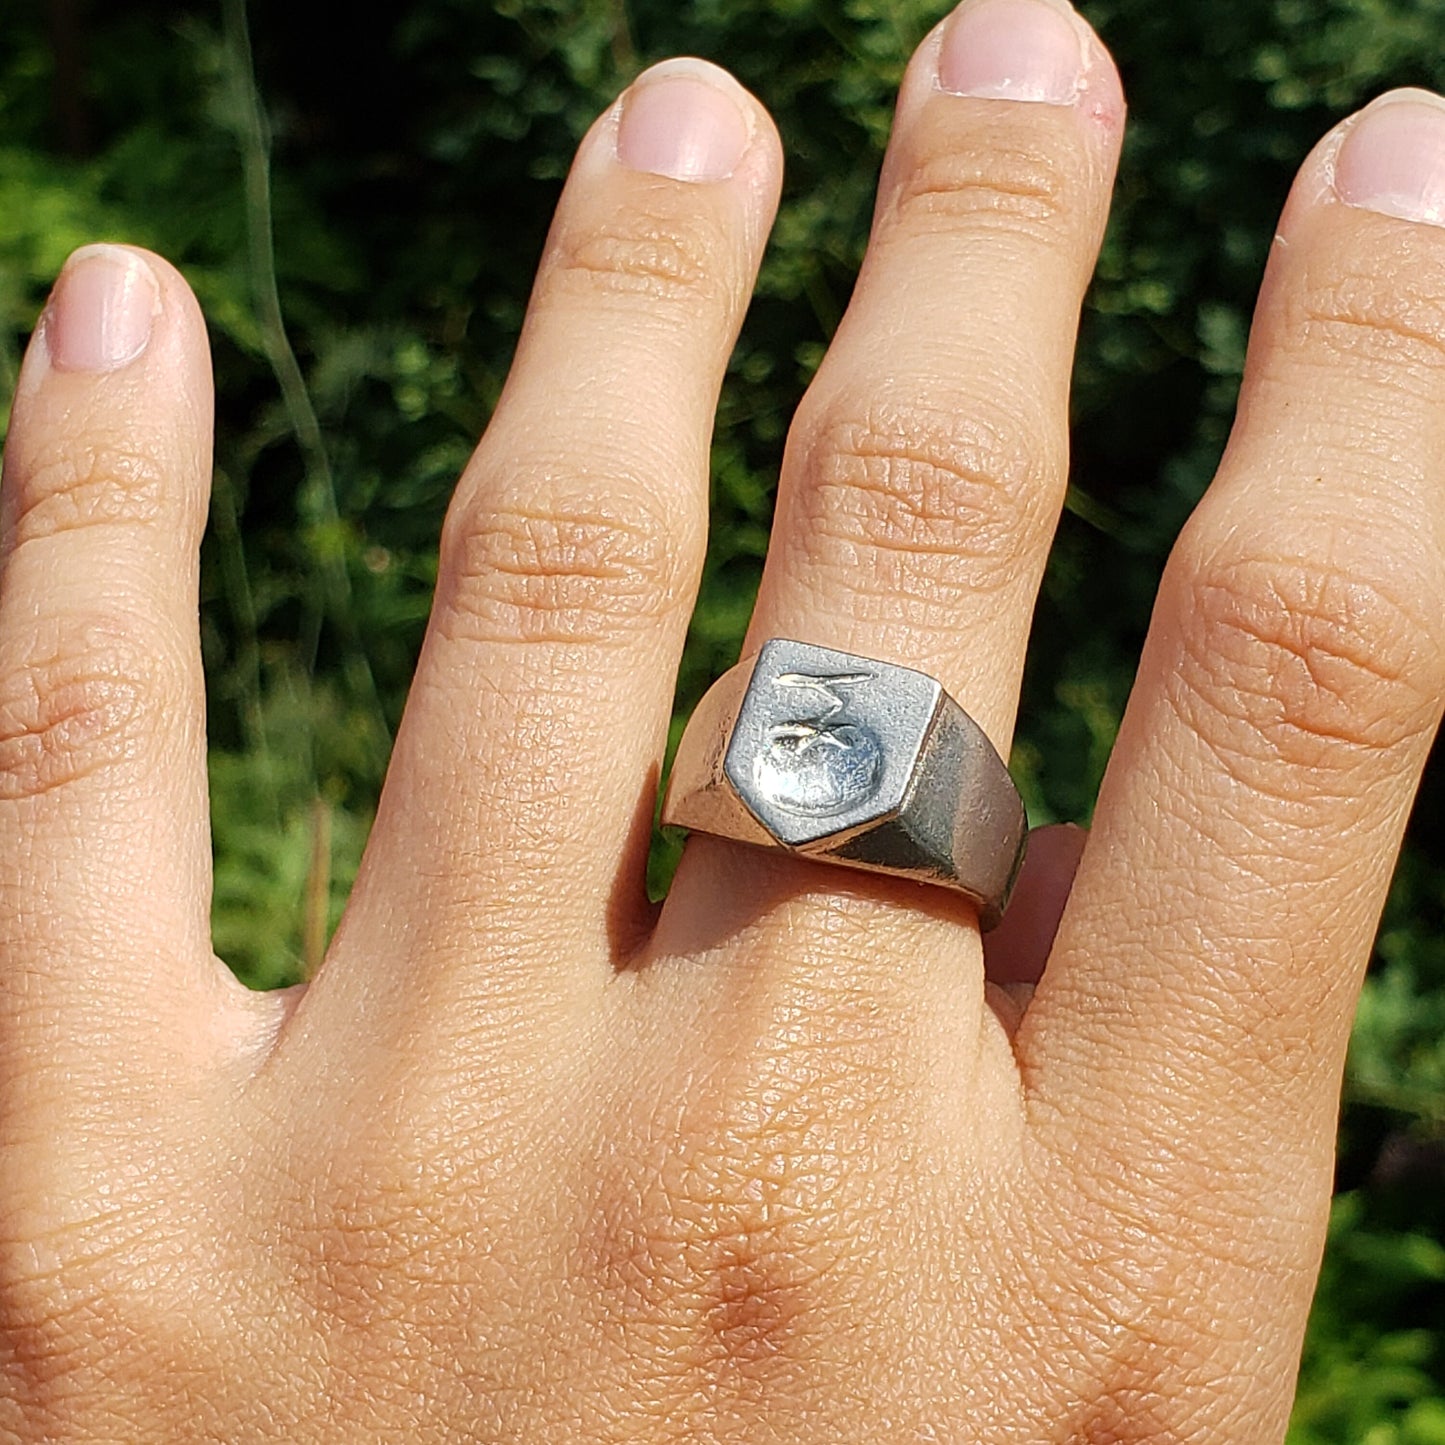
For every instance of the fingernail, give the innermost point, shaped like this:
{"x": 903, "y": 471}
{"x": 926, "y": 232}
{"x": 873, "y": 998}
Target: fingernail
{"x": 1393, "y": 159}
{"x": 1034, "y": 50}
{"x": 101, "y": 310}
{"x": 681, "y": 119}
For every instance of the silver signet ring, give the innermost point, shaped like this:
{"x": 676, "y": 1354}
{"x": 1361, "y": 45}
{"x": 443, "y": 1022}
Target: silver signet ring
{"x": 851, "y": 761}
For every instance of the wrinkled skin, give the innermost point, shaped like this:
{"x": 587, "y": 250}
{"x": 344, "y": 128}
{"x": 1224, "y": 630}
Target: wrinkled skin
{"x": 786, "y": 1160}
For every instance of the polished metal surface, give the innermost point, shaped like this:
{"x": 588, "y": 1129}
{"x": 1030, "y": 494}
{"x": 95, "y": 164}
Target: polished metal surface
{"x": 855, "y": 762}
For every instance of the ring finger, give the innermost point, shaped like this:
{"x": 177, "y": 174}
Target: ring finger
{"x": 926, "y": 467}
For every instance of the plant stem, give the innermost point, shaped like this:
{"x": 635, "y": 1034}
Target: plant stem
{"x": 317, "y": 502}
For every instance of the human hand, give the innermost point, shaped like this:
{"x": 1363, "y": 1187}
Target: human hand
{"x": 529, "y": 1161}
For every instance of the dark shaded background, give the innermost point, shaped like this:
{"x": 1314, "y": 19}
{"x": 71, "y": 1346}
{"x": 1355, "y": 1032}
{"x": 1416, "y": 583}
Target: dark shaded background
{"x": 360, "y": 206}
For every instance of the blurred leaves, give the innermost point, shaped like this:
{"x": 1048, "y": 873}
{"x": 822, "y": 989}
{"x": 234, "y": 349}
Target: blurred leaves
{"x": 411, "y": 163}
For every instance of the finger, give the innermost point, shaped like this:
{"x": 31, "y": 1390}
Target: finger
{"x": 103, "y": 811}
{"x": 1208, "y": 961}
{"x": 520, "y": 797}
{"x": 1015, "y": 952}
{"x": 926, "y": 467}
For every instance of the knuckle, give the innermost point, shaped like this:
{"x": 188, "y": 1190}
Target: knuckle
{"x": 77, "y": 704}
{"x": 123, "y": 1363}
{"x": 1316, "y": 662}
{"x": 103, "y": 482}
{"x": 732, "y": 1232}
{"x": 915, "y": 500}
{"x": 390, "y": 1204}
{"x": 53, "y": 1312}
{"x": 1393, "y": 311}
{"x": 696, "y": 1248}
{"x": 342, "y": 1244}
{"x": 654, "y": 252}
{"x": 1156, "y": 1370}
{"x": 561, "y": 572}
{"x": 73, "y": 1309}
{"x": 1162, "y": 1394}
{"x": 1011, "y": 186}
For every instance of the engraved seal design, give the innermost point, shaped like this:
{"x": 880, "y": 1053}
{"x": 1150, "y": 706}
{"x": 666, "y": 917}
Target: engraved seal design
{"x": 817, "y": 763}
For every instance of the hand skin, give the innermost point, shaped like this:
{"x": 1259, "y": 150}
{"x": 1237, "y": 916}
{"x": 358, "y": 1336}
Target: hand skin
{"x": 785, "y": 1160}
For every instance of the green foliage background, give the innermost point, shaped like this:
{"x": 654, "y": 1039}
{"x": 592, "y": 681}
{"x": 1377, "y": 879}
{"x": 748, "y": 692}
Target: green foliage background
{"x": 359, "y": 207}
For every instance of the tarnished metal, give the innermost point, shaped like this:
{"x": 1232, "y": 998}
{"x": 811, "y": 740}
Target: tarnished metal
{"x": 855, "y": 762}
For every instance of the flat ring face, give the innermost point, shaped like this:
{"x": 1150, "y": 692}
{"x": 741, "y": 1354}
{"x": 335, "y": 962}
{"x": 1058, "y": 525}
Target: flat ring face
{"x": 825, "y": 742}
{"x": 854, "y": 762}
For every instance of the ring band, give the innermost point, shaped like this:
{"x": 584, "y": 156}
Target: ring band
{"x": 851, "y": 761}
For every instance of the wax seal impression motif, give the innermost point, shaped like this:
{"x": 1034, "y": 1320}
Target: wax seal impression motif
{"x": 851, "y": 761}
{"x": 818, "y": 763}
{"x": 823, "y": 745}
